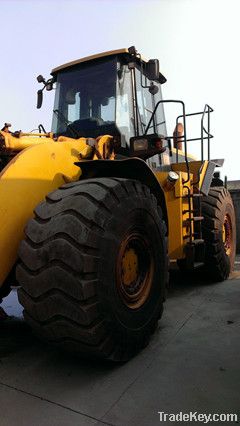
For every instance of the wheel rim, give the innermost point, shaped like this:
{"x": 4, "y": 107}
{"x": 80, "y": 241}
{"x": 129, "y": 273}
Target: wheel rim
{"x": 135, "y": 266}
{"x": 227, "y": 234}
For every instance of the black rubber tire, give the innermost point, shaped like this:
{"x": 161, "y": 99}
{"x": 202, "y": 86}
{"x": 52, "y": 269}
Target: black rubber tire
{"x": 215, "y": 206}
{"x": 67, "y": 267}
{"x": 5, "y": 290}
{"x": 10, "y": 281}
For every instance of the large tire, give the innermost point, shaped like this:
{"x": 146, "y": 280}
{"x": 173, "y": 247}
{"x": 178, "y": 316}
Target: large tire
{"x": 5, "y": 290}
{"x": 77, "y": 289}
{"x": 219, "y": 233}
{"x": 10, "y": 281}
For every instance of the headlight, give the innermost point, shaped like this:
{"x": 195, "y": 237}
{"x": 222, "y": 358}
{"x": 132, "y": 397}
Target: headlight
{"x": 140, "y": 145}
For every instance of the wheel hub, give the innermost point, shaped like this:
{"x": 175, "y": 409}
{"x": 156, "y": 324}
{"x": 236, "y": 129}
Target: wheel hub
{"x": 134, "y": 270}
{"x": 129, "y": 267}
{"x": 227, "y": 234}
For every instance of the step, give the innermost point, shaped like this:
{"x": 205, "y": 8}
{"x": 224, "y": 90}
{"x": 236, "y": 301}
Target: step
{"x": 194, "y": 219}
{"x": 197, "y": 241}
{"x": 190, "y": 211}
{"x": 197, "y": 265}
{"x": 194, "y": 195}
{"x": 187, "y": 211}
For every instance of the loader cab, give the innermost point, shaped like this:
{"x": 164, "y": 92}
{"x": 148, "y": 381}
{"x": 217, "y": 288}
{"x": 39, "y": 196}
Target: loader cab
{"x": 108, "y": 94}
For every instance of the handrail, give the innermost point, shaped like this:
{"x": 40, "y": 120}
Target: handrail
{"x": 184, "y": 126}
{"x": 205, "y": 134}
{"x": 207, "y": 109}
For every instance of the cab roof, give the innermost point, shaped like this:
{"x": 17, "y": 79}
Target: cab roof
{"x": 125, "y": 51}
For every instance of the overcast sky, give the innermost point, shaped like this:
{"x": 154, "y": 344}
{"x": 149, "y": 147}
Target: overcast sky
{"x": 196, "y": 41}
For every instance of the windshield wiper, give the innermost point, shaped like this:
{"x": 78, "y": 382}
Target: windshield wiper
{"x": 60, "y": 115}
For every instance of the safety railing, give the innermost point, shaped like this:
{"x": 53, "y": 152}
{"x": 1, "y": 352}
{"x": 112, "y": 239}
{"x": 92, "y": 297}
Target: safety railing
{"x": 182, "y": 139}
{"x": 205, "y": 133}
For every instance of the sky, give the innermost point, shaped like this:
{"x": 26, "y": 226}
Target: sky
{"x": 196, "y": 41}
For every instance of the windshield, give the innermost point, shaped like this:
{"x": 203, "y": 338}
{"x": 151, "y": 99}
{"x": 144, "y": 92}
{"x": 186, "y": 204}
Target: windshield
{"x": 85, "y": 100}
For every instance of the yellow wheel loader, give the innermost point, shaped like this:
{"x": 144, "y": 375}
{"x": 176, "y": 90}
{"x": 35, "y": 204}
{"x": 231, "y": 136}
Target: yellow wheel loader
{"x": 92, "y": 212}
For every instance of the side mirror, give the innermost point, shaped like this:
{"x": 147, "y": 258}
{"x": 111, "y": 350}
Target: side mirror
{"x": 39, "y": 98}
{"x": 153, "y": 89}
{"x": 49, "y": 86}
{"x": 153, "y": 69}
{"x": 40, "y": 79}
{"x": 132, "y": 50}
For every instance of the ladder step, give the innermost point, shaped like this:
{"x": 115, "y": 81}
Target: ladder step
{"x": 197, "y": 241}
{"x": 195, "y": 194}
{"x": 197, "y": 265}
{"x": 195, "y": 219}
{"x": 190, "y": 211}
{"x": 187, "y": 211}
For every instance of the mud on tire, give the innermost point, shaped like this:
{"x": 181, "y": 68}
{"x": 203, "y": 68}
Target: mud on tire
{"x": 76, "y": 290}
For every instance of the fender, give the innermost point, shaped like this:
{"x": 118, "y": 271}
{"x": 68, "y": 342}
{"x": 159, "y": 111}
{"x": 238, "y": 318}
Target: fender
{"x": 132, "y": 168}
{"x": 24, "y": 183}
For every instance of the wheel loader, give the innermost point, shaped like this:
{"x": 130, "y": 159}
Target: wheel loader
{"x": 93, "y": 212}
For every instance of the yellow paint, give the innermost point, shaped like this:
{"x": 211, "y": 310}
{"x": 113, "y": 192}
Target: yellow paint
{"x": 104, "y": 148}
{"x": 194, "y": 167}
{"x": 129, "y": 267}
{"x": 227, "y": 235}
{"x": 223, "y": 234}
{"x": 25, "y": 141}
{"x": 176, "y": 204}
{"x": 24, "y": 182}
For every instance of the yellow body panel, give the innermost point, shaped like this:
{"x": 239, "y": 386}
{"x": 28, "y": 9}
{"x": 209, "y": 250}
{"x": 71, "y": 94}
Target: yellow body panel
{"x": 195, "y": 167}
{"x": 18, "y": 144}
{"x": 176, "y": 205}
{"x": 25, "y": 181}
